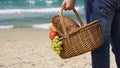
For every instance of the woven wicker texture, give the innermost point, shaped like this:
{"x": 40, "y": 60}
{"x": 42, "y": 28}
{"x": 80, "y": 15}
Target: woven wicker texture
{"x": 85, "y": 38}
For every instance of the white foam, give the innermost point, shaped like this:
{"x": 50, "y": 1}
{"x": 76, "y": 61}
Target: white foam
{"x": 38, "y": 26}
{"x": 42, "y": 26}
{"x": 6, "y": 26}
{"x": 49, "y": 1}
{"x": 44, "y": 10}
{"x": 31, "y": 1}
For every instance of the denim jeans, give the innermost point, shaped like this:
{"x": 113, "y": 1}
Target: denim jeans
{"x": 108, "y": 12}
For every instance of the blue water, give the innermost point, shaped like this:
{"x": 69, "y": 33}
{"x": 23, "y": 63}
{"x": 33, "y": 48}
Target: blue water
{"x": 33, "y": 13}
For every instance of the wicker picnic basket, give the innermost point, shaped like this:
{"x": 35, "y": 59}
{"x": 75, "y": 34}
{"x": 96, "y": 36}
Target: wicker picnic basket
{"x": 85, "y": 38}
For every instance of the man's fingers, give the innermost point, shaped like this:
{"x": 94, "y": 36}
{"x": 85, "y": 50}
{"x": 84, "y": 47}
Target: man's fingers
{"x": 68, "y": 4}
{"x": 69, "y": 7}
{"x": 64, "y": 4}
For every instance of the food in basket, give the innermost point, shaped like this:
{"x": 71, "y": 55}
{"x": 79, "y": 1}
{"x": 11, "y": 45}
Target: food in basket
{"x": 52, "y": 28}
{"x": 56, "y": 45}
{"x": 70, "y": 25}
{"x": 53, "y": 34}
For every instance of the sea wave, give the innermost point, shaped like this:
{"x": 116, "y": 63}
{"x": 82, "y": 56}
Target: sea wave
{"x": 35, "y": 26}
{"x": 40, "y": 10}
{"x": 42, "y": 26}
{"x": 6, "y": 26}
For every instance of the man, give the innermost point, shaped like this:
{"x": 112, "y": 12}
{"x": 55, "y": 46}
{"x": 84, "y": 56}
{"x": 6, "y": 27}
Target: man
{"x": 108, "y": 12}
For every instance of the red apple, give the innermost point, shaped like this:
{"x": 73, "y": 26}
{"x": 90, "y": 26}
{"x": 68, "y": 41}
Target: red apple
{"x": 53, "y": 34}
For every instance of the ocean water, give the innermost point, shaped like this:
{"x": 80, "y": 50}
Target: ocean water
{"x": 33, "y": 13}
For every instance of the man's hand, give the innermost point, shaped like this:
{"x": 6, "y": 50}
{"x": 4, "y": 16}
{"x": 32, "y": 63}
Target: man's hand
{"x": 68, "y": 4}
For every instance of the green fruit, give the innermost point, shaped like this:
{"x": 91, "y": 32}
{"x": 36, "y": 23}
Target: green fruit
{"x": 58, "y": 46}
{"x": 52, "y": 46}
{"x": 59, "y": 43}
{"x": 55, "y": 45}
{"x": 56, "y": 37}
{"x": 57, "y": 52}
{"x": 56, "y": 41}
{"x": 57, "y": 49}
{"x": 61, "y": 48}
{"x": 53, "y": 40}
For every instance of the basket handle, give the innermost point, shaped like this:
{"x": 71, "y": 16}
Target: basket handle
{"x": 62, "y": 22}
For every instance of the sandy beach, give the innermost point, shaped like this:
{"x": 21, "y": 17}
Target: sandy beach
{"x": 30, "y": 48}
